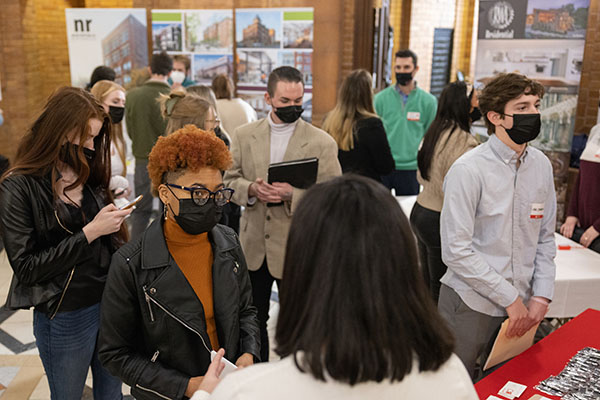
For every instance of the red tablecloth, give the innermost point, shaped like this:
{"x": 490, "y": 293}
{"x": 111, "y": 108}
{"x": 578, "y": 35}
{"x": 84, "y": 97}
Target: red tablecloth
{"x": 547, "y": 357}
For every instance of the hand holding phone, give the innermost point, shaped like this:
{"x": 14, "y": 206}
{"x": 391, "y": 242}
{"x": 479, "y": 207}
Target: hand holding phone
{"x": 133, "y": 203}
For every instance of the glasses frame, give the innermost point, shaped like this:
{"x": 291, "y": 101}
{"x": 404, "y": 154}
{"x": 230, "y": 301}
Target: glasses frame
{"x": 211, "y": 195}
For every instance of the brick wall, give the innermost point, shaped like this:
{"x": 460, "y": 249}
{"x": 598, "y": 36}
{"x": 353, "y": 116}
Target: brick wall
{"x": 34, "y": 58}
{"x": 465, "y": 39}
{"x": 33, "y": 62}
{"x": 589, "y": 87}
{"x": 426, "y": 15}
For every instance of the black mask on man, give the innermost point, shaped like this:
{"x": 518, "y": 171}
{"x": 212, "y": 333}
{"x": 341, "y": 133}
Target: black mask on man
{"x": 68, "y": 148}
{"x": 403, "y": 78}
{"x": 526, "y": 127}
{"x": 475, "y": 115}
{"x": 195, "y": 219}
{"x": 289, "y": 114}
{"x": 116, "y": 113}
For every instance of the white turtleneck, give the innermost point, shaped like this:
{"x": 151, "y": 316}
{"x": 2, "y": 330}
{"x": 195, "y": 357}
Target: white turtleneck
{"x": 280, "y": 137}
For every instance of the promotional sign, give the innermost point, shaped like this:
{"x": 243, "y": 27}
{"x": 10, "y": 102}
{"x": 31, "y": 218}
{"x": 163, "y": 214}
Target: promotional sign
{"x": 267, "y": 38}
{"x": 544, "y": 40}
{"x": 204, "y": 36}
{"x": 106, "y": 36}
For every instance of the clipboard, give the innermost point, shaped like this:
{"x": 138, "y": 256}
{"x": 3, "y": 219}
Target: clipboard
{"x": 300, "y": 174}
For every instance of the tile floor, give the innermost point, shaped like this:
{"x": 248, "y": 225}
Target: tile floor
{"x": 21, "y": 373}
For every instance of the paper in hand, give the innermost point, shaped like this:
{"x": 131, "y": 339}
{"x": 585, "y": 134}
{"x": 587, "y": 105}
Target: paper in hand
{"x": 506, "y": 348}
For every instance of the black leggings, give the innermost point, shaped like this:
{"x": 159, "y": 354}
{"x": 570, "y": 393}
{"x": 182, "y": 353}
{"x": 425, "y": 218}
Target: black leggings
{"x": 262, "y": 282}
{"x": 426, "y": 226}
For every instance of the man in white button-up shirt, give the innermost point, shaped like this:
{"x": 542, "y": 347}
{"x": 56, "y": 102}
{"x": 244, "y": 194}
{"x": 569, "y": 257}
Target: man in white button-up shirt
{"x": 497, "y": 225}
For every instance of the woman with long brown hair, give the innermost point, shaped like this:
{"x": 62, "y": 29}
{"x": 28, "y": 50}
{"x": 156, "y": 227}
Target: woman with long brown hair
{"x": 357, "y": 130}
{"x": 60, "y": 229}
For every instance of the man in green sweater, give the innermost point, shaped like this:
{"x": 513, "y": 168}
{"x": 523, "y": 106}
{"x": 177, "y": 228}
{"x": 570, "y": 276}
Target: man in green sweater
{"x": 406, "y": 112}
{"x": 144, "y": 125}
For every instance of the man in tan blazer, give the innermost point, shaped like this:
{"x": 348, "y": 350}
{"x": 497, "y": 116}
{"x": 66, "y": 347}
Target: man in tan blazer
{"x": 281, "y": 136}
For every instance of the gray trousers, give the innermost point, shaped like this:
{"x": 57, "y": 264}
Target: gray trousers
{"x": 143, "y": 210}
{"x": 473, "y": 331}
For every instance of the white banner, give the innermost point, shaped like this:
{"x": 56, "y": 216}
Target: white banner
{"x": 113, "y": 37}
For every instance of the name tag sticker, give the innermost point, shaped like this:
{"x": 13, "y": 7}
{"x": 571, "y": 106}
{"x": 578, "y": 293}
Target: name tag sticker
{"x": 537, "y": 211}
{"x": 413, "y": 116}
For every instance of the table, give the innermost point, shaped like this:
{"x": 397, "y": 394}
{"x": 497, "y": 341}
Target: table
{"x": 547, "y": 357}
{"x": 577, "y": 285}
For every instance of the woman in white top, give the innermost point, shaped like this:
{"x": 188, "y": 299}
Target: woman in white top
{"x": 234, "y": 112}
{"x": 112, "y": 97}
{"x": 356, "y": 320}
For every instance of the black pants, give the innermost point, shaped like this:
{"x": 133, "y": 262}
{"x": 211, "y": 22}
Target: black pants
{"x": 262, "y": 282}
{"x": 404, "y": 182}
{"x": 426, "y": 226}
{"x": 578, "y": 232}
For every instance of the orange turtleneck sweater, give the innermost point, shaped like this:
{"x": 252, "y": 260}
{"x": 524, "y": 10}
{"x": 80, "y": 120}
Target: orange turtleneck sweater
{"x": 193, "y": 254}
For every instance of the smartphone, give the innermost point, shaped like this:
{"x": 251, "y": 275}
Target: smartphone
{"x": 131, "y": 204}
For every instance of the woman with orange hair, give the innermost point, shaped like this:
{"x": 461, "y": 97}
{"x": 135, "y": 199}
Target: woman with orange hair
{"x": 182, "y": 289}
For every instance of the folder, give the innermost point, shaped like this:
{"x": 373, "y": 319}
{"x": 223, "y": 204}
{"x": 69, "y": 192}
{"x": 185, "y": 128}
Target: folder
{"x": 300, "y": 174}
{"x": 505, "y": 348}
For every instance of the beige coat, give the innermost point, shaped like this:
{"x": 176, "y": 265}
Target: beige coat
{"x": 264, "y": 230}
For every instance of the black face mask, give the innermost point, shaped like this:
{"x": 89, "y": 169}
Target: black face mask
{"x": 475, "y": 115}
{"x": 403, "y": 78}
{"x": 195, "y": 219}
{"x": 65, "y": 154}
{"x": 289, "y": 114}
{"x": 116, "y": 113}
{"x": 526, "y": 127}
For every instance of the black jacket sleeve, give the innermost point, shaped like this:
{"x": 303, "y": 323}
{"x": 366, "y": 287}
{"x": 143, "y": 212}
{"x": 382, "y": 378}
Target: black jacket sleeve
{"x": 31, "y": 262}
{"x": 249, "y": 331}
{"x": 121, "y": 320}
{"x": 375, "y": 138}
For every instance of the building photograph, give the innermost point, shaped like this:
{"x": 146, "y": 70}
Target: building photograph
{"x": 166, "y": 37}
{"x": 122, "y": 51}
{"x": 258, "y": 29}
{"x": 556, "y": 19}
{"x": 206, "y": 66}
{"x": 254, "y": 67}
{"x": 209, "y": 31}
{"x": 298, "y": 35}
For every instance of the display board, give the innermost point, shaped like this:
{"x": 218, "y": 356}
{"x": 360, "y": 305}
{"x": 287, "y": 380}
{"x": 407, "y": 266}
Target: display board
{"x": 205, "y": 36}
{"x": 106, "y": 36}
{"x": 545, "y": 40}
{"x": 267, "y": 38}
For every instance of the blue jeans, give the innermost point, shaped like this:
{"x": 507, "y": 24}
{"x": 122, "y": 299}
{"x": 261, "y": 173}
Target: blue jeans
{"x": 67, "y": 346}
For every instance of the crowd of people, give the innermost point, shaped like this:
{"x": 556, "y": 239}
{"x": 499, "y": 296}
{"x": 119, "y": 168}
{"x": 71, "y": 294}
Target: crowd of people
{"x": 372, "y": 304}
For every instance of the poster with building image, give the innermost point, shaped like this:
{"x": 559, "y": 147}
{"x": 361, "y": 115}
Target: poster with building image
{"x": 204, "y": 36}
{"x": 267, "y": 38}
{"x": 544, "y": 40}
{"x": 106, "y": 36}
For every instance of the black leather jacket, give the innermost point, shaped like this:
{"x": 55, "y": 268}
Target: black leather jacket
{"x": 41, "y": 253}
{"x": 153, "y": 333}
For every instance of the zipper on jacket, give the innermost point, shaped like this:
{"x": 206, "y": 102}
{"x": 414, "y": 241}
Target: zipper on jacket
{"x": 62, "y": 296}
{"x": 155, "y": 356}
{"x": 148, "y": 302}
{"x": 162, "y": 396}
{"x": 170, "y": 314}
